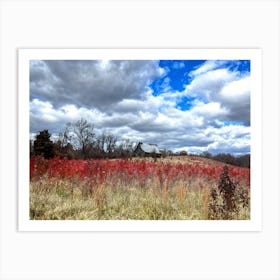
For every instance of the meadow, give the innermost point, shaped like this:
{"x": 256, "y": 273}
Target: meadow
{"x": 171, "y": 188}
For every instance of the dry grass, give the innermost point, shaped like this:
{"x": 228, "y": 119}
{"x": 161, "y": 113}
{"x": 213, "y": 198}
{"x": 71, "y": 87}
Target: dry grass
{"x": 53, "y": 199}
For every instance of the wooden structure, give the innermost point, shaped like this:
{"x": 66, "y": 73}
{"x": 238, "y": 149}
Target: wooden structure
{"x": 144, "y": 150}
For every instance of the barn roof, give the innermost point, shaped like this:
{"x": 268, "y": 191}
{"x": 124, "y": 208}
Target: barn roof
{"x": 149, "y": 148}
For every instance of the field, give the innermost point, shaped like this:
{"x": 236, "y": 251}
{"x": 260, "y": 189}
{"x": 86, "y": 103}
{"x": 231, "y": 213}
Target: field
{"x": 178, "y": 188}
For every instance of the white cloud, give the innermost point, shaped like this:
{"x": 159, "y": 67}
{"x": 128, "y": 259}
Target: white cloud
{"x": 115, "y": 96}
{"x": 237, "y": 91}
{"x": 209, "y": 110}
{"x": 206, "y": 67}
{"x": 221, "y": 86}
{"x": 209, "y": 84}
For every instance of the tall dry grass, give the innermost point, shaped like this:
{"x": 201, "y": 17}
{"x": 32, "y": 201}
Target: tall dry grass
{"x": 151, "y": 199}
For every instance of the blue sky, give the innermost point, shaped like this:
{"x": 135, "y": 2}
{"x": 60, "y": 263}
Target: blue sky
{"x": 192, "y": 105}
{"x": 177, "y": 71}
{"x": 177, "y": 76}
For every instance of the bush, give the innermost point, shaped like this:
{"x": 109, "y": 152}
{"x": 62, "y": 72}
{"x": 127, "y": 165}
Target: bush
{"x": 227, "y": 199}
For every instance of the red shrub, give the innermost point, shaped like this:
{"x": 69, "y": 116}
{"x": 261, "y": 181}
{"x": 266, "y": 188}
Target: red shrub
{"x": 100, "y": 170}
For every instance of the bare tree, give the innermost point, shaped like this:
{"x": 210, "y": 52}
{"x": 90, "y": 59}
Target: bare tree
{"x": 81, "y": 135}
{"x": 100, "y": 144}
{"x": 125, "y": 149}
{"x": 106, "y": 144}
{"x": 110, "y": 143}
{"x": 65, "y": 136}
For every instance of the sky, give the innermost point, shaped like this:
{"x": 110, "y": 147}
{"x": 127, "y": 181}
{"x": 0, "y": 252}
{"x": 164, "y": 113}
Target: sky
{"x": 190, "y": 105}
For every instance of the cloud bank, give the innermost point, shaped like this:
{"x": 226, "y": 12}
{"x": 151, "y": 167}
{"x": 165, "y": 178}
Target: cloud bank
{"x": 178, "y": 105}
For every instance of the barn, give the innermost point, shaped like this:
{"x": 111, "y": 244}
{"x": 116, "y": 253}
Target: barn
{"x": 143, "y": 149}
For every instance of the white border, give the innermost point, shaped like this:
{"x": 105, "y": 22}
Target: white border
{"x": 25, "y": 55}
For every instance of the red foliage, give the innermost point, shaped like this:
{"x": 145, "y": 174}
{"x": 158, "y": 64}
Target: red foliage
{"x": 130, "y": 169}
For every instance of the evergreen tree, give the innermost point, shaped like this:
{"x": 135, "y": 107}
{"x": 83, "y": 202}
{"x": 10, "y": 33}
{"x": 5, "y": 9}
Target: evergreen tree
{"x": 43, "y": 145}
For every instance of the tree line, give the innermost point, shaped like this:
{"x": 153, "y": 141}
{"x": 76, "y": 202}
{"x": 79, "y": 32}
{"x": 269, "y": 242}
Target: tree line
{"x": 242, "y": 161}
{"x": 79, "y": 141}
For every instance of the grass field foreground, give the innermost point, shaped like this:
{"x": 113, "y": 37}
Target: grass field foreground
{"x": 131, "y": 189}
